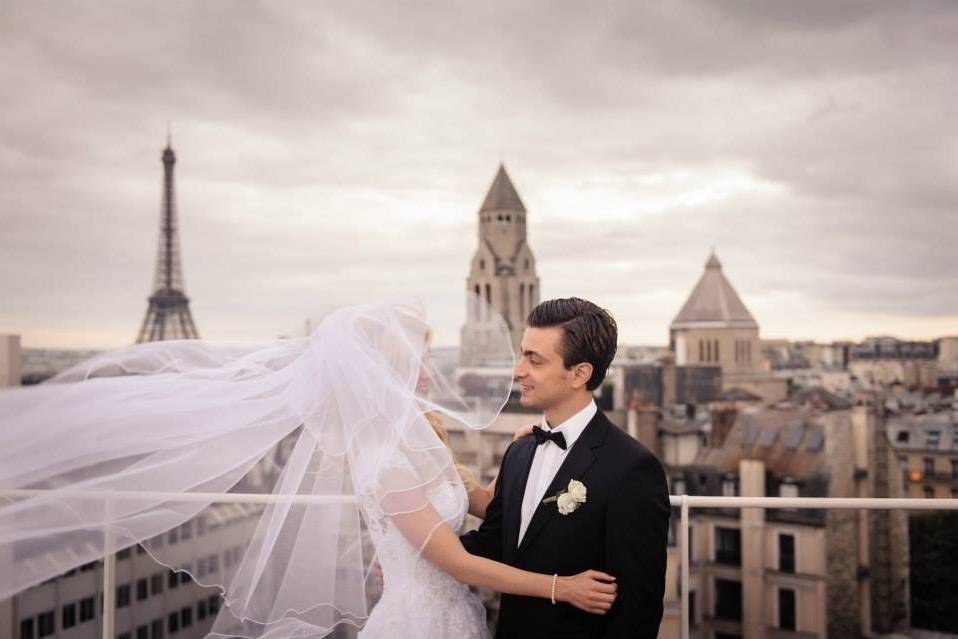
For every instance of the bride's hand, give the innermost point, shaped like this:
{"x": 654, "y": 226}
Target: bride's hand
{"x": 591, "y": 590}
{"x": 524, "y": 431}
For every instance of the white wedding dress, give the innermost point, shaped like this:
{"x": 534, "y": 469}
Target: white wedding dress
{"x": 419, "y": 599}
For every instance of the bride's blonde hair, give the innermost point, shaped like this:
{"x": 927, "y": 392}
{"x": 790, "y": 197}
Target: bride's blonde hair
{"x": 435, "y": 421}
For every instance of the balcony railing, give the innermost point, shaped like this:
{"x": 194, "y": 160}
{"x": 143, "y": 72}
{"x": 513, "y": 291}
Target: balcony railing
{"x": 684, "y": 502}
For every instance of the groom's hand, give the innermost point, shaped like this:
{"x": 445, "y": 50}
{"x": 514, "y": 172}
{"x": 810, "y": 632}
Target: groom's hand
{"x": 592, "y": 591}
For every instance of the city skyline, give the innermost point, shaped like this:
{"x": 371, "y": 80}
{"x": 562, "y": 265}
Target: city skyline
{"x": 328, "y": 155}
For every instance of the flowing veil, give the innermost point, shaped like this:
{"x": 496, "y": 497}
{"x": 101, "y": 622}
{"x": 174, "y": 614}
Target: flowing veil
{"x": 134, "y": 445}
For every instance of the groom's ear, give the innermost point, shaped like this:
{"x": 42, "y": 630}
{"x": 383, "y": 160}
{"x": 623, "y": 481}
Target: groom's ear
{"x": 581, "y": 374}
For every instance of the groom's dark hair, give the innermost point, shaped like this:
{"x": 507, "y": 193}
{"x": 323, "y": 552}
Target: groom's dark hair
{"x": 589, "y": 333}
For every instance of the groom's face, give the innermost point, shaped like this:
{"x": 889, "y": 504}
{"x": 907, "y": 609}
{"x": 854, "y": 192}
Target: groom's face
{"x": 542, "y": 375}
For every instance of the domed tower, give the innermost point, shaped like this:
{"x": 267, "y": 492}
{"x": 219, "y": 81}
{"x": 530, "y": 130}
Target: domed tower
{"x": 714, "y": 327}
{"x": 503, "y": 269}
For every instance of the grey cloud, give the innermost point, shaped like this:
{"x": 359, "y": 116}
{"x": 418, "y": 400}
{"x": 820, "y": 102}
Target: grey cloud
{"x": 304, "y": 131}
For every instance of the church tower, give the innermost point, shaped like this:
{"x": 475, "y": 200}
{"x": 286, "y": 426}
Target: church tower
{"x": 715, "y": 328}
{"x": 503, "y": 269}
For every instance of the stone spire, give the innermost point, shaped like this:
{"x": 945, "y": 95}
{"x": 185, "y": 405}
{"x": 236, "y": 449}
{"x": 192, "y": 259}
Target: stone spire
{"x": 503, "y": 269}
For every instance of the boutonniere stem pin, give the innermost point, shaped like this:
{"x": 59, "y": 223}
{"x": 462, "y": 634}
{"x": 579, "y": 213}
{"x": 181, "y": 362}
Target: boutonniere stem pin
{"x": 569, "y": 499}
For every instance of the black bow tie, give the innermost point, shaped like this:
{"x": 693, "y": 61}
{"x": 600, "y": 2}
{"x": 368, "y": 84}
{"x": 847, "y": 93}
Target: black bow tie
{"x": 543, "y": 436}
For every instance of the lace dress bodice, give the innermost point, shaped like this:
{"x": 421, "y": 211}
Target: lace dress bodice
{"x": 419, "y": 599}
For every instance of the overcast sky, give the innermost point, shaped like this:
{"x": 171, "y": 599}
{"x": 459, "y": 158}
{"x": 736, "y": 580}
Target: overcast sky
{"x": 331, "y": 152}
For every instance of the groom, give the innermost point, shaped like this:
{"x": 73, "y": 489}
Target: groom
{"x": 621, "y": 528}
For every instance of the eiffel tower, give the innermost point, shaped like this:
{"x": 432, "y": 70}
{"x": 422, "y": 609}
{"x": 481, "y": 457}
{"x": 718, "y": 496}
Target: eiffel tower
{"x": 168, "y": 315}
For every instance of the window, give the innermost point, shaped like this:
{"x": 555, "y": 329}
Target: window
{"x": 902, "y": 436}
{"x": 172, "y": 537}
{"x": 45, "y": 622}
{"x": 212, "y": 564}
{"x": 933, "y": 438}
{"x": 729, "y": 489}
{"x": 173, "y": 580}
{"x": 123, "y": 554}
{"x": 86, "y": 609}
{"x": 186, "y": 616}
{"x": 140, "y": 550}
{"x": 728, "y": 599}
{"x": 142, "y": 589}
{"x": 929, "y": 466}
{"x": 185, "y": 575}
{"x": 214, "y": 604}
{"x": 728, "y": 546}
{"x": 201, "y": 567}
{"x": 788, "y": 489}
{"x": 201, "y": 609}
{"x": 679, "y": 484}
{"x": 929, "y": 492}
{"x": 69, "y": 617}
{"x": 186, "y": 530}
{"x": 954, "y": 468}
{"x": 701, "y": 351}
{"x": 124, "y": 635}
{"x": 143, "y": 632}
{"x": 786, "y": 608}
{"x": 786, "y": 552}
{"x": 26, "y": 629}
{"x": 716, "y": 351}
{"x": 201, "y": 526}
{"x": 123, "y": 596}
{"x": 156, "y": 583}
{"x": 691, "y": 608}
{"x": 173, "y": 622}
{"x": 156, "y": 629}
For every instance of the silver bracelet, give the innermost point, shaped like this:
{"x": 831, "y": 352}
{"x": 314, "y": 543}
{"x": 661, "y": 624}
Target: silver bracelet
{"x": 554, "y": 577}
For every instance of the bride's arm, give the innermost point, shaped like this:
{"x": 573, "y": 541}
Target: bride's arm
{"x": 591, "y": 590}
{"x": 480, "y": 497}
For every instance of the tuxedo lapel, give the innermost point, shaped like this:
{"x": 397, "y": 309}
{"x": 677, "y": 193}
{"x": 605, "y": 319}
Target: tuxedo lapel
{"x": 513, "y": 492}
{"x": 576, "y": 463}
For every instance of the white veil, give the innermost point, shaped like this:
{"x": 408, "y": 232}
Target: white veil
{"x": 338, "y": 415}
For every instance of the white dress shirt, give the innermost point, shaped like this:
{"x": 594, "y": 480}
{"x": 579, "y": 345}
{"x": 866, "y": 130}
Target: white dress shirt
{"x": 548, "y": 458}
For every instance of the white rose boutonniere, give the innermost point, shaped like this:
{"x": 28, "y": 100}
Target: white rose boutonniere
{"x": 569, "y": 499}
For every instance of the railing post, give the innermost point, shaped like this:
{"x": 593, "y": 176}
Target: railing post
{"x": 109, "y": 575}
{"x": 684, "y": 566}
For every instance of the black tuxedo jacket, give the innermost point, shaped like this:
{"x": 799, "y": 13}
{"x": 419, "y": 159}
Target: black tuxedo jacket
{"x": 621, "y": 529}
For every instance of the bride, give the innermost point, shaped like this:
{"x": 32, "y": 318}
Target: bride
{"x": 135, "y": 442}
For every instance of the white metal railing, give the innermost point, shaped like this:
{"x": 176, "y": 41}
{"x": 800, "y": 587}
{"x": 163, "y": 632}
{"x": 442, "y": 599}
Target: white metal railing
{"x": 684, "y": 502}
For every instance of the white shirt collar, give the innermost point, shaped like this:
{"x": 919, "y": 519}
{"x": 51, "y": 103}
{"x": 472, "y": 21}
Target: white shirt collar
{"x": 573, "y": 427}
